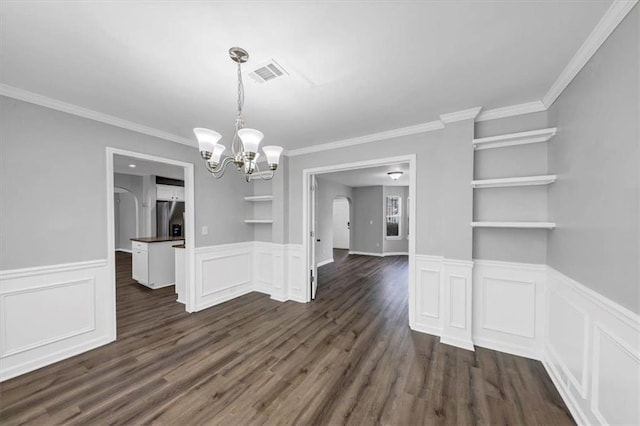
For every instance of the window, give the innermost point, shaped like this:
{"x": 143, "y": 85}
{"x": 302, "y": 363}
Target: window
{"x": 393, "y": 214}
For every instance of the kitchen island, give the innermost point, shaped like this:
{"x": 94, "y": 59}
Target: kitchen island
{"x": 153, "y": 260}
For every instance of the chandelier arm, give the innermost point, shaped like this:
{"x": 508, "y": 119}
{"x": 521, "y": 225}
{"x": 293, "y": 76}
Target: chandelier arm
{"x": 218, "y": 171}
{"x": 261, "y": 175}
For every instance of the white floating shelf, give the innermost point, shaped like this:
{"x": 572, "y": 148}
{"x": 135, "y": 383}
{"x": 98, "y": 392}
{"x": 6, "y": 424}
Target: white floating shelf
{"x": 526, "y": 225}
{"x": 260, "y": 175}
{"x": 258, "y": 221}
{"x": 517, "y": 181}
{"x": 511, "y": 139}
{"x": 259, "y": 198}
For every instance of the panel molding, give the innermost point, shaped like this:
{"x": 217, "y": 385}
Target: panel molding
{"x": 457, "y": 298}
{"x": 553, "y": 354}
{"x": 527, "y": 337}
{"x": 603, "y": 317}
{"x": 4, "y": 321}
{"x": 78, "y": 284}
{"x": 598, "y": 331}
{"x": 496, "y": 327}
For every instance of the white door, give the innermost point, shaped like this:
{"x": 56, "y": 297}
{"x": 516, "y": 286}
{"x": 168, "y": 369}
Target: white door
{"x": 313, "y": 237}
{"x": 341, "y": 223}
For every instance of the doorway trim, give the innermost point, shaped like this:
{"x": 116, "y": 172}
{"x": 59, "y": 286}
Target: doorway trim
{"x": 306, "y": 226}
{"x": 189, "y": 189}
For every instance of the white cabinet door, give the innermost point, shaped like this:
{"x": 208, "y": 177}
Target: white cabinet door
{"x": 165, "y": 193}
{"x": 169, "y": 193}
{"x": 140, "y": 266}
{"x": 179, "y": 193}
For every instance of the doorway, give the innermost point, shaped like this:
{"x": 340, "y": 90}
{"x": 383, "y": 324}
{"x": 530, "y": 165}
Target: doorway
{"x": 146, "y": 215}
{"x": 126, "y": 218}
{"x": 341, "y": 224}
{"x": 309, "y": 218}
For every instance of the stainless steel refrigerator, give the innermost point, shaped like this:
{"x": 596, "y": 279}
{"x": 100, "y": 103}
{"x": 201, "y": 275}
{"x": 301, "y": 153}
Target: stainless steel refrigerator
{"x": 170, "y": 218}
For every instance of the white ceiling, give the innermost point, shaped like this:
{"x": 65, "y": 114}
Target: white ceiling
{"x": 357, "y": 67}
{"x": 145, "y": 168}
{"x": 370, "y": 176}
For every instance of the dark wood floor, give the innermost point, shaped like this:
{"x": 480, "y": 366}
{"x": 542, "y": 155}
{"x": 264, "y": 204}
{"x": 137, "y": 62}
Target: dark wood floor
{"x": 348, "y": 357}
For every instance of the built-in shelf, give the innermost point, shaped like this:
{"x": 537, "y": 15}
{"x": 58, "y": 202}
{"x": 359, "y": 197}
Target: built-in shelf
{"x": 259, "y": 175}
{"x": 258, "y": 221}
{"x": 516, "y": 181}
{"x": 522, "y": 138}
{"x": 259, "y": 198}
{"x": 528, "y": 225}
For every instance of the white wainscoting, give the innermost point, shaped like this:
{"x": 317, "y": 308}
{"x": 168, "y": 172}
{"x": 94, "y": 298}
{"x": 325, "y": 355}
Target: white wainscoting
{"x": 223, "y": 272}
{"x": 227, "y": 271}
{"x": 428, "y": 304}
{"x": 509, "y": 307}
{"x": 296, "y": 273}
{"x": 443, "y": 299}
{"x": 457, "y": 303}
{"x": 592, "y": 353}
{"x": 269, "y": 273}
{"x": 53, "y": 312}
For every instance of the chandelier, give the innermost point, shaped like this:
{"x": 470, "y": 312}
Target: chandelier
{"x": 244, "y": 146}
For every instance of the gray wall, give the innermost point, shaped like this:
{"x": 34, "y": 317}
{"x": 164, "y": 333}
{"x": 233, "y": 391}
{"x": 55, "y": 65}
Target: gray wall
{"x": 433, "y": 152}
{"x": 327, "y": 192}
{"x": 401, "y": 245}
{"x": 367, "y": 220}
{"x": 53, "y": 186}
{"x": 595, "y": 201}
{"x": 457, "y": 192}
{"x": 511, "y": 204}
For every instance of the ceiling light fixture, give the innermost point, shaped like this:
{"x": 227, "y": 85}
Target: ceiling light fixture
{"x": 395, "y": 175}
{"x": 132, "y": 166}
{"x": 244, "y": 145}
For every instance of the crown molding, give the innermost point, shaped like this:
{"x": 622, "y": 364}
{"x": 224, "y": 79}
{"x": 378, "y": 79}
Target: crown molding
{"x": 374, "y": 137}
{"x": 467, "y": 114}
{"x": 510, "y": 111}
{"x": 609, "y": 21}
{"x": 34, "y": 98}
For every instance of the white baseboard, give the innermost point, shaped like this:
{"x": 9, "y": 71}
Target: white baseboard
{"x": 124, "y": 250}
{"x": 457, "y": 342}
{"x": 569, "y": 401}
{"x": 363, "y": 253}
{"x": 51, "y": 358}
{"x": 324, "y": 262}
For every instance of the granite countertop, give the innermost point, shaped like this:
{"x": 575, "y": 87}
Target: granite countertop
{"x": 179, "y": 246}
{"x": 157, "y": 239}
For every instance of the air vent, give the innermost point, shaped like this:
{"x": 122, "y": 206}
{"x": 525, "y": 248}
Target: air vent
{"x": 268, "y": 71}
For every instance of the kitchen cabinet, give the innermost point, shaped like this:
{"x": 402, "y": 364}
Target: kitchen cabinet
{"x": 153, "y": 261}
{"x": 169, "y": 193}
